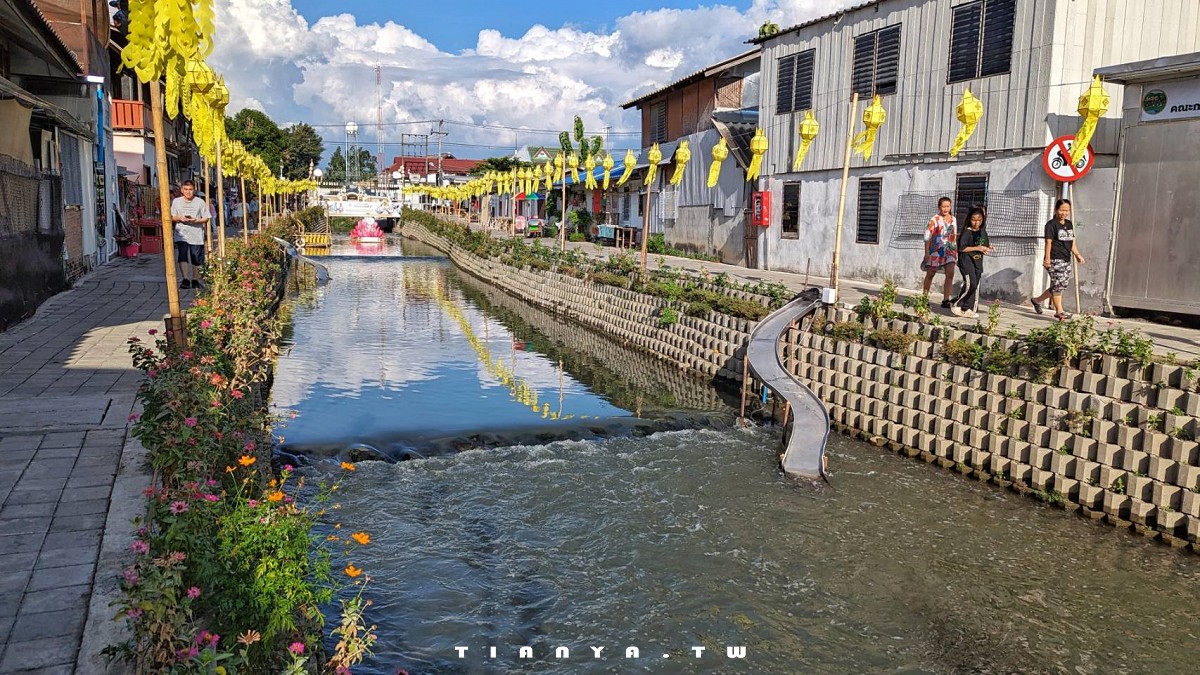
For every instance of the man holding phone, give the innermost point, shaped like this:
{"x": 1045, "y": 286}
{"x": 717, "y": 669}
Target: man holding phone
{"x": 191, "y": 217}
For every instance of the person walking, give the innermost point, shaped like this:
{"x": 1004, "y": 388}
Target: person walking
{"x": 940, "y": 253}
{"x": 1060, "y": 247}
{"x": 191, "y": 217}
{"x": 972, "y": 246}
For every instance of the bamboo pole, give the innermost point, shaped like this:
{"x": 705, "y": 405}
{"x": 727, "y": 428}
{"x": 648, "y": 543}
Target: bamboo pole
{"x": 562, "y": 228}
{"x": 245, "y": 216}
{"x": 646, "y": 224}
{"x": 164, "y": 199}
{"x": 837, "y": 238}
{"x": 220, "y": 202}
{"x": 207, "y": 203}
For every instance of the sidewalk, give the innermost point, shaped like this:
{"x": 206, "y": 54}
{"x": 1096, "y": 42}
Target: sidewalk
{"x": 66, "y": 390}
{"x": 1184, "y": 342}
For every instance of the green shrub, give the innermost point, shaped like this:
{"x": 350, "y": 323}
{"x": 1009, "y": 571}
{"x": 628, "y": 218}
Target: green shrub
{"x": 893, "y": 340}
{"x": 850, "y": 331}
{"x": 668, "y": 317}
{"x": 657, "y": 244}
{"x": 577, "y": 236}
{"x": 342, "y": 224}
{"x": 611, "y": 279}
{"x": 698, "y": 308}
{"x": 962, "y": 353}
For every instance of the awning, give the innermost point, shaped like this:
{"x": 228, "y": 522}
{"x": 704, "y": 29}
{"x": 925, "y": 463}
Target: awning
{"x": 9, "y": 90}
{"x": 529, "y": 197}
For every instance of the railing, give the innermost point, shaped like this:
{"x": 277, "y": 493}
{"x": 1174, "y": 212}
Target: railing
{"x": 130, "y": 116}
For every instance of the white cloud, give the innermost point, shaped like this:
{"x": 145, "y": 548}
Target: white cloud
{"x": 323, "y": 73}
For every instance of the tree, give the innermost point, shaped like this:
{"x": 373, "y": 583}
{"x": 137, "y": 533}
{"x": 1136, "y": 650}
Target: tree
{"x": 501, "y": 164}
{"x": 336, "y": 171}
{"x": 302, "y": 147}
{"x": 259, "y": 135}
{"x": 367, "y": 168}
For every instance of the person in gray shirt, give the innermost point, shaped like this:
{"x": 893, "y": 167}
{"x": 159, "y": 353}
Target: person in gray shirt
{"x": 191, "y": 217}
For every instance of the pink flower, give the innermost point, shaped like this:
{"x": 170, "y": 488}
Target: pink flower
{"x": 211, "y": 498}
{"x": 216, "y": 404}
{"x": 152, "y": 373}
{"x": 211, "y": 482}
{"x": 236, "y": 393}
{"x": 253, "y": 503}
{"x": 133, "y": 417}
{"x": 130, "y": 575}
{"x": 187, "y": 355}
{"x": 152, "y": 331}
{"x": 139, "y": 546}
{"x": 288, "y": 467}
{"x": 133, "y": 614}
{"x": 177, "y": 556}
{"x": 296, "y": 648}
{"x": 190, "y": 421}
{"x": 205, "y": 323}
{"x": 178, "y": 507}
{"x": 249, "y": 446}
{"x": 193, "y": 592}
{"x": 149, "y": 492}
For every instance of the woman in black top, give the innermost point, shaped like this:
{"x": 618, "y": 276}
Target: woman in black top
{"x": 1060, "y": 246}
{"x": 972, "y": 246}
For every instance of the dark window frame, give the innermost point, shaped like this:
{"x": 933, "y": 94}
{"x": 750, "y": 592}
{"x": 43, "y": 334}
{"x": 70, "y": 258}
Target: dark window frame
{"x": 858, "y": 230}
{"x": 981, "y": 39}
{"x": 658, "y": 123}
{"x": 794, "y": 82}
{"x": 875, "y": 62}
{"x": 969, "y": 184}
{"x": 792, "y": 231}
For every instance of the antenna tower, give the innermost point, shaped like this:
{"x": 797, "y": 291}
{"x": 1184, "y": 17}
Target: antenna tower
{"x": 379, "y": 120}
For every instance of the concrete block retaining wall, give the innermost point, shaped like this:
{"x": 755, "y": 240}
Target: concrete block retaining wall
{"x": 1034, "y": 437}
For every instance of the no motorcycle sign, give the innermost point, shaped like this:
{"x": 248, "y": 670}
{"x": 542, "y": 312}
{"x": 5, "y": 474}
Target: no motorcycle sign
{"x": 1056, "y": 160}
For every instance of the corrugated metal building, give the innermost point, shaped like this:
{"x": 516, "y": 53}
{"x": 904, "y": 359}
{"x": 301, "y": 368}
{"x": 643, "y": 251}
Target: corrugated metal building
{"x": 1027, "y": 60}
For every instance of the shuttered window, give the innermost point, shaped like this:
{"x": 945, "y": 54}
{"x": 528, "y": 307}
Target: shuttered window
{"x": 794, "y": 88}
{"x": 981, "y": 39}
{"x": 870, "y": 191}
{"x": 876, "y": 62}
{"x": 791, "y": 210}
{"x": 658, "y": 123}
{"x": 970, "y": 191}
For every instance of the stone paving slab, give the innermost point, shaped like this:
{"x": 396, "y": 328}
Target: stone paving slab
{"x": 67, "y": 387}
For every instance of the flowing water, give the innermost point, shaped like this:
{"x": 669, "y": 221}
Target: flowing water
{"x": 589, "y": 534}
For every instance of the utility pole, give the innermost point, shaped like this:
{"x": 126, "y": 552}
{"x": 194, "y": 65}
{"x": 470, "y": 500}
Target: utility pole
{"x": 379, "y": 166}
{"x": 439, "y": 133}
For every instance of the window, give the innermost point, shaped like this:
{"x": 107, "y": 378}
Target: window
{"x": 658, "y": 123}
{"x": 970, "y": 190}
{"x": 876, "y": 62}
{"x": 791, "y": 210}
{"x": 869, "y": 198}
{"x": 626, "y": 198}
{"x": 793, "y": 90}
{"x": 981, "y": 39}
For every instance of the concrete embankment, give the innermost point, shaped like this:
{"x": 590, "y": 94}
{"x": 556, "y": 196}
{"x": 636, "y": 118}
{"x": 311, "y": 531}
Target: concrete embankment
{"x": 1109, "y": 438}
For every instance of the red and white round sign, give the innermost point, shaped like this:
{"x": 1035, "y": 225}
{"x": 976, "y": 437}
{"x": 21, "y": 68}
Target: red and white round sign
{"x": 1056, "y": 160}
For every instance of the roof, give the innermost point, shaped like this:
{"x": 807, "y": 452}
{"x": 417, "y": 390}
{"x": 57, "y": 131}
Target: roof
{"x": 34, "y": 15}
{"x": 701, "y": 74}
{"x": 813, "y": 22}
{"x": 429, "y": 164}
{"x": 1153, "y": 70}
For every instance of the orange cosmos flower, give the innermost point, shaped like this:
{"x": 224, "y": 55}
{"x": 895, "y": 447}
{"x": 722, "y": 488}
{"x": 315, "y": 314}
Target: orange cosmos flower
{"x": 361, "y": 537}
{"x": 247, "y": 460}
{"x": 348, "y": 466}
{"x": 352, "y": 571}
{"x": 275, "y": 496}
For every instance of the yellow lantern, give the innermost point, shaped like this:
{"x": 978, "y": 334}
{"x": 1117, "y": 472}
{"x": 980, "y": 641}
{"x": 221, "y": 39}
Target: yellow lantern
{"x": 608, "y": 165}
{"x": 573, "y": 162}
{"x": 548, "y": 171}
{"x": 720, "y": 152}
{"x": 537, "y": 177}
{"x": 808, "y": 131}
{"x": 629, "y": 162}
{"x": 682, "y": 154}
{"x": 873, "y": 118}
{"x": 559, "y": 163}
{"x": 758, "y": 148}
{"x": 655, "y": 157}
{"x": 969, "y": 111}
{"x": 1092, "y": 106}
{"x": 589, "y": 167}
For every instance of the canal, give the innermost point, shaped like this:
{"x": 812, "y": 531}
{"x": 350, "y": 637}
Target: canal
{"x": 564, "y": 492}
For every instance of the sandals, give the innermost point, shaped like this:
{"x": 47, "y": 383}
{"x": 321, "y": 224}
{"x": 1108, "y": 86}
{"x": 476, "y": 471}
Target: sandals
{"x": 1037, "y": 306}
{"x": 1062, "y": 317}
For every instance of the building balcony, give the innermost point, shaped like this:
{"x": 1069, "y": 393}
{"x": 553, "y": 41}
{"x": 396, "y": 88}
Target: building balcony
{"x": 131, "y": 116}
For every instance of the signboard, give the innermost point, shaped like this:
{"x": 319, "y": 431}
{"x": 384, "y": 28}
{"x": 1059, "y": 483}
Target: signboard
{"x": 1056, "y": 160}
{"x": 361, "y": 208}
{"x": 1173, "y": 100}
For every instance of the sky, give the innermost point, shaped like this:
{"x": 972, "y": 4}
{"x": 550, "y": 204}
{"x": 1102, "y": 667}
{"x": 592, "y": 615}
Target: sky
{"x": 500, "y": 77}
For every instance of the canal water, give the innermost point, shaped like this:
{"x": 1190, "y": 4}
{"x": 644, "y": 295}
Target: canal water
{"x": 604, "y": 533}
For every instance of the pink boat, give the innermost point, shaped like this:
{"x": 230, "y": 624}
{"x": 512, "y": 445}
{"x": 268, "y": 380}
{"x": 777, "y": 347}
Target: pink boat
{"x": 367, "y": 231}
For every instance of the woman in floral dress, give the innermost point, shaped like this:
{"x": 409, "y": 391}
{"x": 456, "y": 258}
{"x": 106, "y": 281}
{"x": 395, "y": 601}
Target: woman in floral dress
{"x": 941, "y": 254}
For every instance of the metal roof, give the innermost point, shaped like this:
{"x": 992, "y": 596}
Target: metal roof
{"x": 56, "y": 41}
{"x": 1164, "y": 68}
{"x": 708, "y": 71}
{"x": 813, "y": 22}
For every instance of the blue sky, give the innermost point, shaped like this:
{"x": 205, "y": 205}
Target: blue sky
{"x": 454, "y": 25}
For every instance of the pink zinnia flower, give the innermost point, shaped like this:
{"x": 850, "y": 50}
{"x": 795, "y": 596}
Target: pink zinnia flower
{"x": 178, "y": 507}
{"x": 152, "y": 331}
{"x": 193, "y": 592}
{"x": 253, "y": 503}
{"x": 133, "y": 417}
{"x": 140, "y": 546}
{"x": 130, "y": 575}
{"x": 133, "y": 614}
{"x": 152, "y": 373}
{"x": 296, "y": 648}
{"x": 236, "y": 393}
{"x": 205, "y": 323}
{"x": 211, "y": 498}
{"x": 249, "y": 446}
{"x": 190, "y": 421}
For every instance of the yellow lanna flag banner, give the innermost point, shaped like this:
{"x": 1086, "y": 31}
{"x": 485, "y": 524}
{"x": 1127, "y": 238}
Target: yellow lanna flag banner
{"x": 629, "y": 162}
{"x": 682, "y": 154}
{"x": 969, "y": 111}
{"x": 1092, "y": 106}
{"x": 655, "y": 157}
{"x": 589, "y": 168}
{"x": 608, "y": 165}
{"x": 808, "y": 131}
{"x": 720, "y": 151}
{"x": 758, "y": 148}
{"x": 873, "y": 118}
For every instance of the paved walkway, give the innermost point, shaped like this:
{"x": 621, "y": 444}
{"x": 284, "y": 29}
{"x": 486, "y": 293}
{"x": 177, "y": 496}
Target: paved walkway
{"x": 66, "y": 390}
{"x": 1184, "y": 342}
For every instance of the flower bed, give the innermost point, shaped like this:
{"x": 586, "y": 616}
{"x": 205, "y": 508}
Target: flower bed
{"x": 228, "y": 575}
